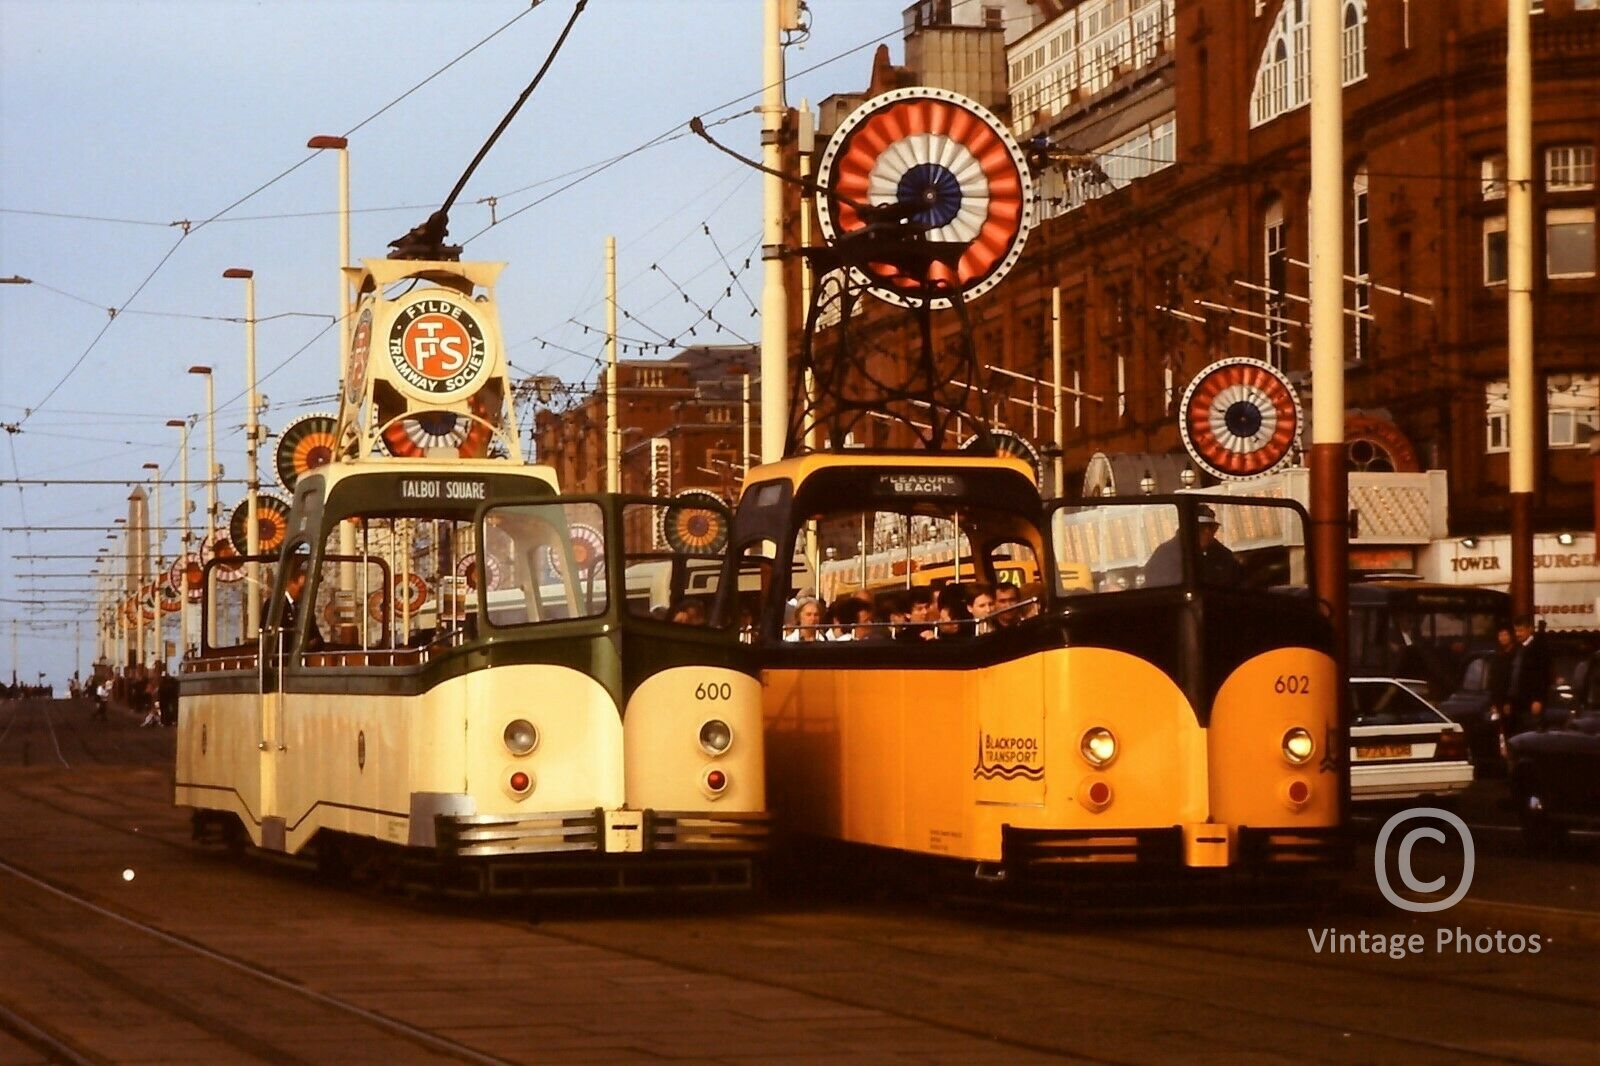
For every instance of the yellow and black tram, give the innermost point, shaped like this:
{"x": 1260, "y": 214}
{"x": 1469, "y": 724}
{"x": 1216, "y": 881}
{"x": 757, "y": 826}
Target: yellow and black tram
{"x": 497, "y": 688}
{"x": 1132, "y": 709}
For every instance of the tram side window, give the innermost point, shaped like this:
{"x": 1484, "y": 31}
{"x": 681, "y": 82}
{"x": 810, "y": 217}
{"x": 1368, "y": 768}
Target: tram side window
{"x": 556, "y": 555}
{"x": 228, "y": 591}
{"x": 353, "y": 606}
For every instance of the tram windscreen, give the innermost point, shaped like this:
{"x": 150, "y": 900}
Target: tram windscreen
{"x": 675, "y": 561}
{"x": 544, "y": 562}
{"x": 1120, "y": 545}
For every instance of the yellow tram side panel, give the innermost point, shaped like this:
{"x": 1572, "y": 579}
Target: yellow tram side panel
{"x": 1256, "y": 706}
{"x": 352, "y": 762}
{"x": 219, "y": 762}
{"x": 917, "y": 759}
{"x": 665, "y": 766}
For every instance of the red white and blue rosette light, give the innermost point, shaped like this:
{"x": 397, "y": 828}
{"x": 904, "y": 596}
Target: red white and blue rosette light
{"x": 1240, "y": 418}
{"x": 937, "y": 149}
{"x": 411, "y": 436}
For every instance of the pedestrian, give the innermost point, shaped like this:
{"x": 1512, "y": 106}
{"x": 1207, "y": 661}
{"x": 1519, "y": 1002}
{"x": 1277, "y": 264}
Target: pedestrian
{"x": 1499, "y": 686}
{"x": 167, "y": 695}
{"x": 1529, "y": 683}
{"x": 102, "y": 699}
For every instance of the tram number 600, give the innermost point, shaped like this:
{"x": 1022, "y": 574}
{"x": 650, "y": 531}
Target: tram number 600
{"x": 1293, "y": 684}
{"x": 715, "y": 690}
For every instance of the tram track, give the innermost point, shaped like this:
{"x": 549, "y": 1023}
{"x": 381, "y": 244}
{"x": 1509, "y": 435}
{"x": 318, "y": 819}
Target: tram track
{"x": 179, "y": 983}
{"x": 1023, "y": 985}
{"x": 1085, "y": 969}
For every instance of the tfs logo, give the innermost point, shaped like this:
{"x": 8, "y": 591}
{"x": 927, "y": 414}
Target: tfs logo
{"x": 437, "y": 345}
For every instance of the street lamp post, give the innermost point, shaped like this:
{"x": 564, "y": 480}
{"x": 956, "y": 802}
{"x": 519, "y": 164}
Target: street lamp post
{"x": 182, "y": 425}
{"x": 340, "y": 145}
{"x": 346, "y": 597}
{"x": 211, "y": 481}
{"x": 160, "y": 569}
{"x": 252, "y": 533}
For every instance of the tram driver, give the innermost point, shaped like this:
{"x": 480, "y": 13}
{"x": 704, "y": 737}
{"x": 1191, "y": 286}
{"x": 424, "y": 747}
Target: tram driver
{"x": 1216, "y": 565}
{"x": 294, "y": 588}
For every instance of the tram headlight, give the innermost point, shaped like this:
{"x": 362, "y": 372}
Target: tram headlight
{"x": 1298, "y": 746}
{"x": 1098, "y": 746}
{"x": 716, "y": 737}
{"x": 521, "y": 737}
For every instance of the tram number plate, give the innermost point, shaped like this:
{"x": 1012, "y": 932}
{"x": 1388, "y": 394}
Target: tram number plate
{"x": 1383, "y": 751}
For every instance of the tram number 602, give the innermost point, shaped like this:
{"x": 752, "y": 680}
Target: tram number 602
{"x": 1293, "y": 684}
{"x": 714, "y": 690}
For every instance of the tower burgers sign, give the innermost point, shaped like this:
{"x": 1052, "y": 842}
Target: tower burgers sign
{"x": 437, "y": 348}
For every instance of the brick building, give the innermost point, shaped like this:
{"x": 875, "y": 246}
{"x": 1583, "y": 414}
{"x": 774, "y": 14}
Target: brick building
{"x": 682, "y": 422}
{"x": 1173, "y": 218}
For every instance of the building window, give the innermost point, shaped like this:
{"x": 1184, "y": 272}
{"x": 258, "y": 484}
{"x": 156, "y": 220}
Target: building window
{"x": 1572, "y": 416}
{"x": 1569, "y": 242}
{"x": 1569, "y": 168}
{"x": 1354, "y": 48}
{"x": 1275, "y": 248}
{"x": 1359, "y": 263}
{"x": 1494, "y": 251}
{"x": 1283, "y": 77}
{"x": 1493, "y": 169}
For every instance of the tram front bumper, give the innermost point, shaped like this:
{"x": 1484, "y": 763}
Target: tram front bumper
{"x": 454, "y": 829}
{"x": 1206, "y": 845}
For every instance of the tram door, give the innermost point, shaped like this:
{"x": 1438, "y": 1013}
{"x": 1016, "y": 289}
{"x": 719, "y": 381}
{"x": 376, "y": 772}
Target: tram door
{"x": 280, "y": 628}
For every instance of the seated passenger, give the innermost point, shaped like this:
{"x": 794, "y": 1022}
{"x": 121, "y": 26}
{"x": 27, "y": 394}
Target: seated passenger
{"x": 982, "y": 604}
{"x": 922, "y": 612}
{"x": 955, "y": 614}
{"x": 689, "y": 612}
{"x": 808, "y": 624}
{"x": 1007, "y": 613}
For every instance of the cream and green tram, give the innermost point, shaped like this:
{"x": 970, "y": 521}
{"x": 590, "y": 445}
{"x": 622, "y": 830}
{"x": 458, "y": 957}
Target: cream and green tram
{"x": 1127, "y": 712}
{"x": 481, "y": 685}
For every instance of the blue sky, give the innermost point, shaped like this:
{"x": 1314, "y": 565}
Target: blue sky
{"x": 125, "y": 125}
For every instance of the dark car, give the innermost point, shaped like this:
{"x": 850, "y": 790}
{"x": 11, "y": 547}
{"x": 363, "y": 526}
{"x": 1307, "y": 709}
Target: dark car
{"x": 1555, "y": 773}
{"x": 1468, "y": 705}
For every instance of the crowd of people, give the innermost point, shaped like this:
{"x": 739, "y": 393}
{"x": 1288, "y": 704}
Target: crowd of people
{"x": 150, "y": 692}
{"x": 949, "y": 612}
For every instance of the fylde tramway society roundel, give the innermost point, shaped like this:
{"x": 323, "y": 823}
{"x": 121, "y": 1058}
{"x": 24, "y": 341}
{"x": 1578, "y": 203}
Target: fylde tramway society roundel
{"x": 1240, "y": 418}
{"x": 305, "y": 444}
{"x": 437, "y": 347}
{"x": 694, "y": 523}
{"x": 959, "y": 173}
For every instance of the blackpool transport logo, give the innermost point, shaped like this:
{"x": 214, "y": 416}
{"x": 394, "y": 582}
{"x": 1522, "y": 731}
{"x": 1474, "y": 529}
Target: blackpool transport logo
{"x": 1403, "y": 859}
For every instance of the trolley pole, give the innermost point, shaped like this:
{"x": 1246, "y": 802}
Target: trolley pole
{"x": 1329, "y": 478}
{"x": 1060, "y": 415}
{"x": 777, "y": 16}
{"x": 1525, "y": 435}
{"x": 613, "y": 435}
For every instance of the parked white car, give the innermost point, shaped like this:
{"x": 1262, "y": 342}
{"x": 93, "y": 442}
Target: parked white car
{"x": 1401, "y": 746}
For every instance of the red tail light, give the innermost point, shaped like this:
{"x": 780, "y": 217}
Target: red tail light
{"x": 1452, "y": 745}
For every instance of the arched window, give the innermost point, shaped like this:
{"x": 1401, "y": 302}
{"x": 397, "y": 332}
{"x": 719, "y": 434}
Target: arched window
{"x": 1283, "y": 78}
